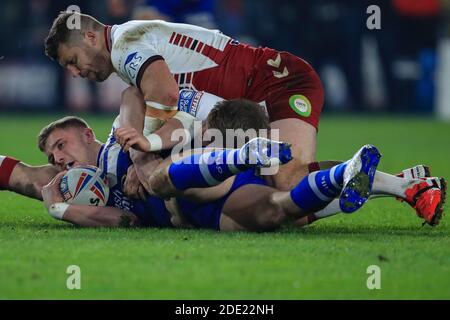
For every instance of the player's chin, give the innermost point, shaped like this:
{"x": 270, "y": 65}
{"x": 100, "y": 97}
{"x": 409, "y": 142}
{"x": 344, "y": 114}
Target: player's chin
{"x": 93, "y": 76}
{"x": 100, "y": 77}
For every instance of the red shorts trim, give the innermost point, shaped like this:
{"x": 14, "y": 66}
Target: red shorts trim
{"x": 6, "y": 168}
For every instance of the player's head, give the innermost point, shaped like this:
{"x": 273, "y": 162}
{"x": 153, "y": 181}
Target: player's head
{"x": 77, "y": 42}
{"x": 68, "y": 142}
{"x": 245, "y": 118}
{"x": 237, "y": 114}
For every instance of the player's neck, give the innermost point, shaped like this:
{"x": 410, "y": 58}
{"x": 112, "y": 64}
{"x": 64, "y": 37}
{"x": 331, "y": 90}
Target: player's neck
{"x": 96, "y": 147}
{"x": 107, "y": 44}
{"x": 107, "y": 37}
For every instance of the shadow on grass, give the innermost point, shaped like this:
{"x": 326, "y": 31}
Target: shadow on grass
{"x": 372, "y": 231}
{"x": 324, "y": 231}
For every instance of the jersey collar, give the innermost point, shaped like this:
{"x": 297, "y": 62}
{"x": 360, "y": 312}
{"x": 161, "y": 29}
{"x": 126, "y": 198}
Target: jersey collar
{"x": 107, "y": 33}
{"x": 99, "y": 154}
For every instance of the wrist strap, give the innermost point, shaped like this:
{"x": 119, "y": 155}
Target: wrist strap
{"x": 155, "y": 142}
{"x": 57, "y": 210}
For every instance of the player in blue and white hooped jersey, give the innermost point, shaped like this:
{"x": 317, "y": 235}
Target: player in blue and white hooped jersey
{"x": 65, "y": 151}
{"x": 237, "y": 198}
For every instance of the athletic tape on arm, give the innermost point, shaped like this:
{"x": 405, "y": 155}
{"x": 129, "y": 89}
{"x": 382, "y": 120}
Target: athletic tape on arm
{"x": 186, "y": 120}
{"x": 151, "y": 125}
{"x": 160, "y": 106}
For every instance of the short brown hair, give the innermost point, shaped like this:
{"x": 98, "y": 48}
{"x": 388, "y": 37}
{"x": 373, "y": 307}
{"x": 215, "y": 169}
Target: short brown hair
{"x": 60, "y": 33}
{"x": 63, "y": 123}
{"x": 237, "y": 114}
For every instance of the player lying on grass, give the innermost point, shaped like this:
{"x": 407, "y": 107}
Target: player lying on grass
{"x": 244, "y": 115}
{"x": 245, "y": 203}
{"x": 147, "y": 55}
{"x": 71, "y": 141}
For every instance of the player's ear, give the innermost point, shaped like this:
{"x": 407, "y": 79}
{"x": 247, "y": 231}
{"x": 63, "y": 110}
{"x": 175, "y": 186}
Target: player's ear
{"x": 89, "y": 135}
{"x": 90, "y": 37}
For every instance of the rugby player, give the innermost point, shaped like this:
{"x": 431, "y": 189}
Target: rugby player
{"x": 73, "y": 142}
{"x": 244, "y": 115}
{"x": 160, "y": 57}
{"x": 244, "y": 203}
{"x": 241, "y": 202}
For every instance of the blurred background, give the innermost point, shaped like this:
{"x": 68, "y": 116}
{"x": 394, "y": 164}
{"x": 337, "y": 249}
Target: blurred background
{"x": 404, "y": 67}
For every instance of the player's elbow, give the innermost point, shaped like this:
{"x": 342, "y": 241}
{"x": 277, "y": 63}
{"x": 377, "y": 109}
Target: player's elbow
{"x": 132, "y": 95}
{"x": 169, "y": 98}
{"x": 166, "y": 97}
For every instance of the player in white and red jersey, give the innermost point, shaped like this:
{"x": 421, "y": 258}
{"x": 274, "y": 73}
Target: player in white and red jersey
{"x": 160, "y": 57}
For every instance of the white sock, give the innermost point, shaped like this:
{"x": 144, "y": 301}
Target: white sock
{"x": 331, "y": 209}
{"x": 387, "y": 184}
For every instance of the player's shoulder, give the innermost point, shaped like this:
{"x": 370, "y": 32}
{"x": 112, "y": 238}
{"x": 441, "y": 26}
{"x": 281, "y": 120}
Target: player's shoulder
{"x": 136, "y": 30}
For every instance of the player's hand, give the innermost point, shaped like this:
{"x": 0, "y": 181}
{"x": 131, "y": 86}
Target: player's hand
{"x": 131, "y": 138}
{"x": 132, "y": 187}
{"x": 51, "y": 192}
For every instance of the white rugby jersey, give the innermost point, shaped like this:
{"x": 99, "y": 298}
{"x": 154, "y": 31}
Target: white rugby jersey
{"x": 185, "y": 48}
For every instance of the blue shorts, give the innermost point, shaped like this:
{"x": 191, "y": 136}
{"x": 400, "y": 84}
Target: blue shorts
{"x": 152, "y": 212}
{"x": 207, "y": 215}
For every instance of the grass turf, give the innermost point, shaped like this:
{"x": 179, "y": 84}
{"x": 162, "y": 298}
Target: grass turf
{"x": 327, "y": 260}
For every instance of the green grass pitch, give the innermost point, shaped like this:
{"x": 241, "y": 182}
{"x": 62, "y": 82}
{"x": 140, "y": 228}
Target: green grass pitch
{"x": 327, "y": 260}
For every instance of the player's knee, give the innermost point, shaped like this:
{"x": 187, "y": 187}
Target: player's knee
{"x": 156, "y": 181}
{"x": 272, "y": 217}
{"x": 161, "y": 184}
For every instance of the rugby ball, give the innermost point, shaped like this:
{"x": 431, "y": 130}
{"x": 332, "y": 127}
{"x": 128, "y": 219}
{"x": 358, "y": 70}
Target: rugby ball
{"x": 85, "y": 185}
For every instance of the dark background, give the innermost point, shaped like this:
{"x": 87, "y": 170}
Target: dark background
{"x": 394, "y": 69}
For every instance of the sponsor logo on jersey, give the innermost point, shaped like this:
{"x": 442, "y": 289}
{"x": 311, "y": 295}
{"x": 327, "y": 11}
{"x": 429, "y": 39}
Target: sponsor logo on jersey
{"x": 196, "y": 103}
{"x": 187, "y": 94}
{"x": 132, "y": 64}
{"x": 189, "y": 101}
{"x": 120, "y": 201}
{"x": 300, "y": 104}
{"x": 64, "y": 187}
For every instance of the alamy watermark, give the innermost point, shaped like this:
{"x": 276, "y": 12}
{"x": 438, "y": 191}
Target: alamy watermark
{"x": 74, "y": 21}
{"x": 373, "y": 22}
{"x": 374, "y": 280}
{"x": 234, "y": 138}
{"x": 73, "y": 281}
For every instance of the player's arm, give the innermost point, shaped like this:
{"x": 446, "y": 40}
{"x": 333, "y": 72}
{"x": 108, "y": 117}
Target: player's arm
{"x": 159, "y": 92}
{"x": 82, "y": 215}
{"x": 158, "y": 87}
{"x": 24, "y": 179}
{"x": 155, "y": 136}
{"x": 91, "y": 216}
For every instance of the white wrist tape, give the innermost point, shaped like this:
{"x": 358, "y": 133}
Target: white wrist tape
{"x": 155, "y": 142}
{"x": 160, "y": 106}
{"x": 151, "y": 125}
{"x": 57, "y": 210}
{"x": 186, "y": 120}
